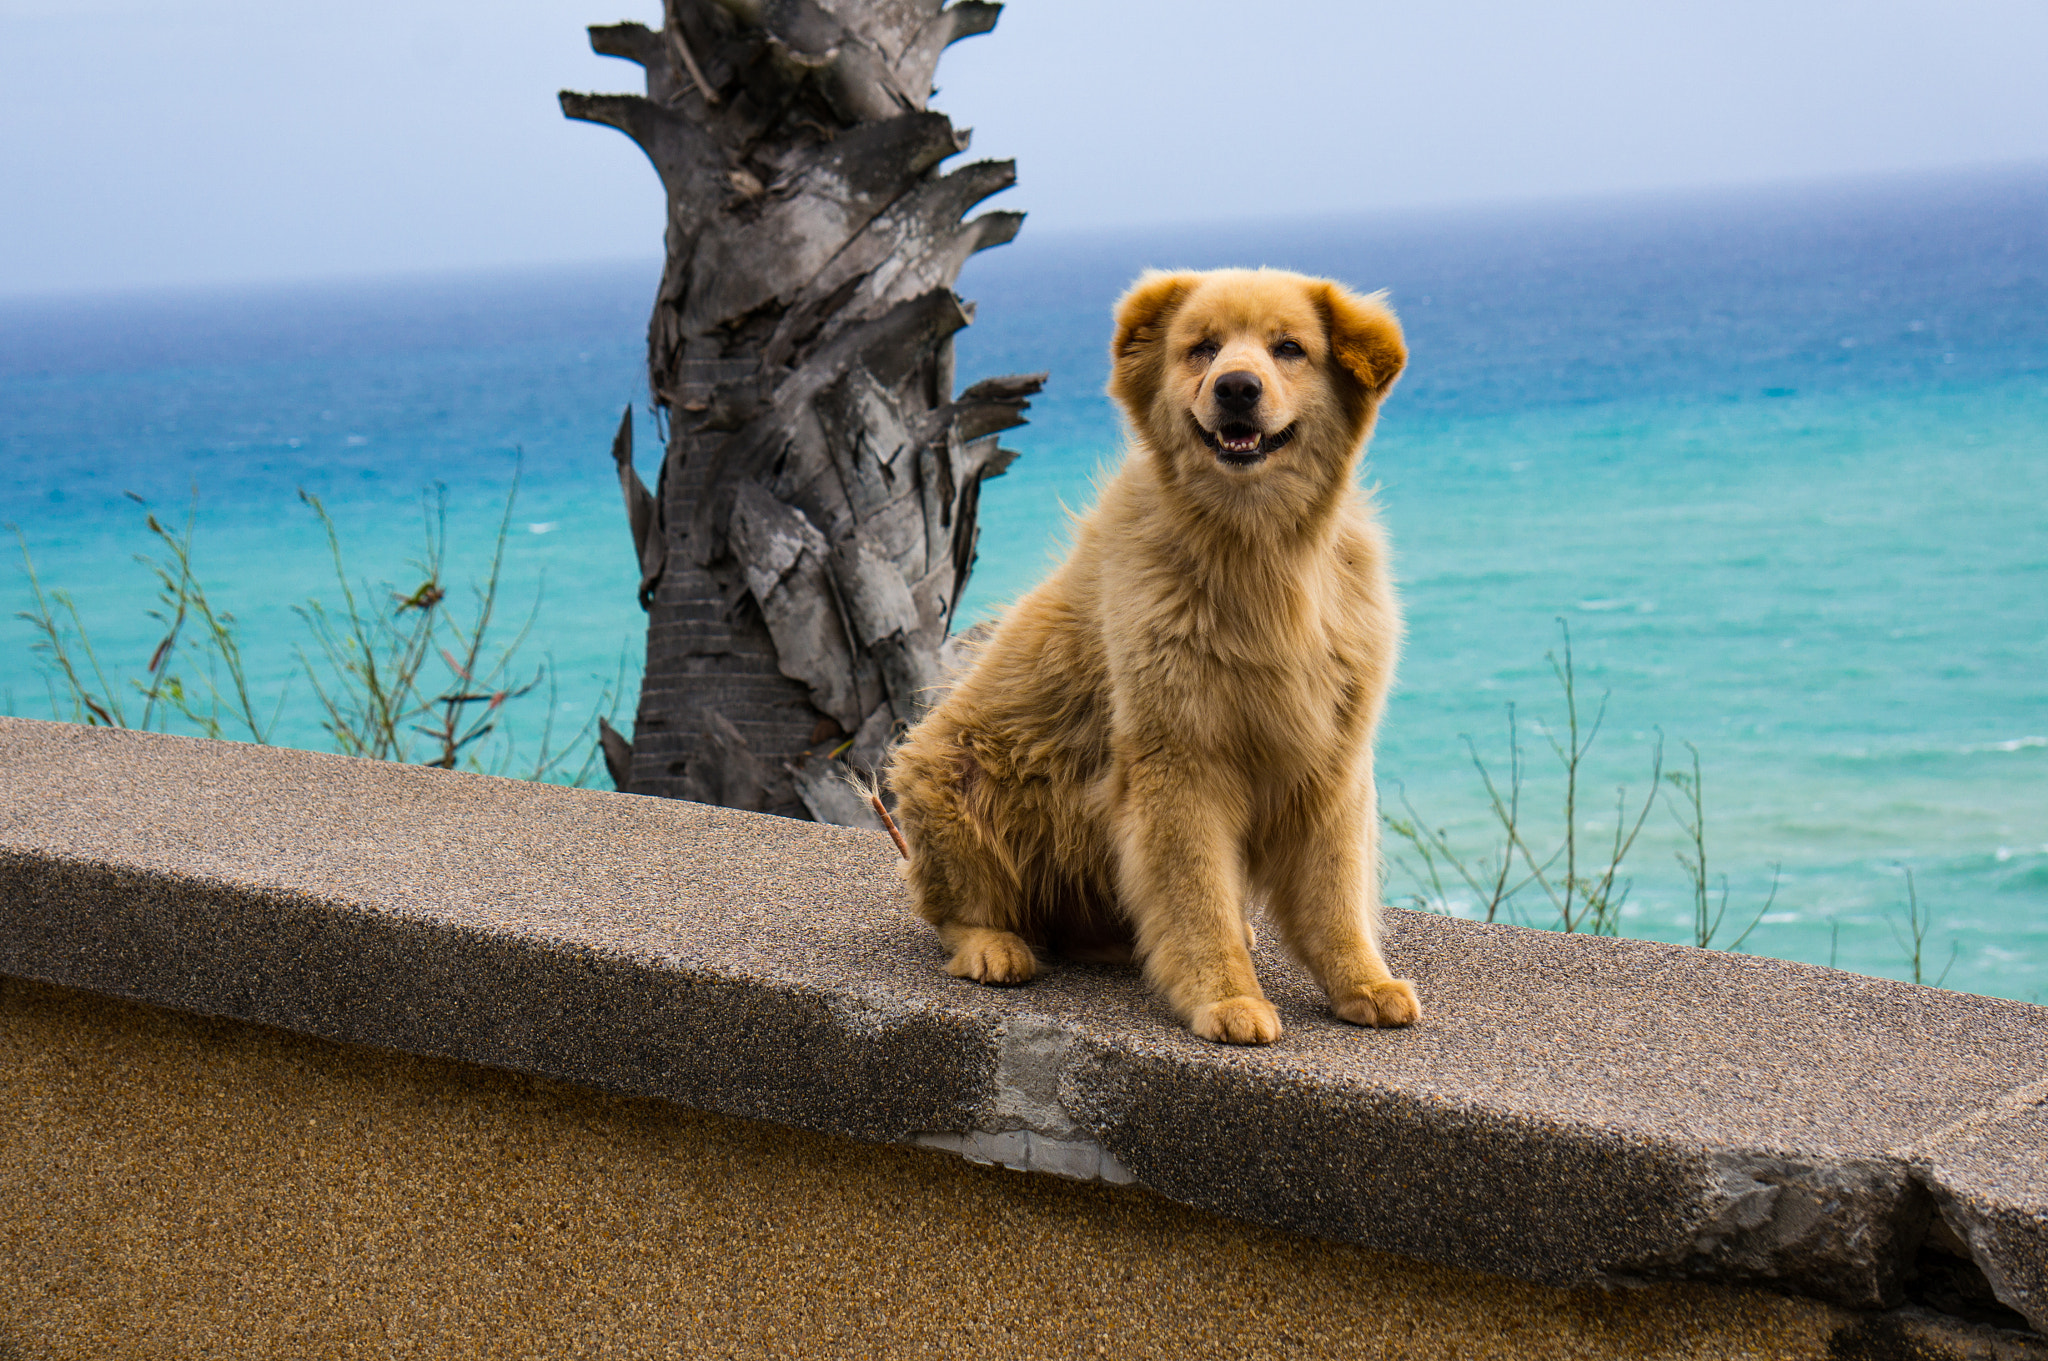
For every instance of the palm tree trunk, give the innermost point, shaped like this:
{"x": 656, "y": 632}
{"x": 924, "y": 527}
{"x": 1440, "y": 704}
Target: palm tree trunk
{"x": 815, "y": 519}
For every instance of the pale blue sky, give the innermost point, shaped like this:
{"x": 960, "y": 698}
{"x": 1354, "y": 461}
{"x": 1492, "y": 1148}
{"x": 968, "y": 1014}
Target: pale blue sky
{"x": 178, "y": 142}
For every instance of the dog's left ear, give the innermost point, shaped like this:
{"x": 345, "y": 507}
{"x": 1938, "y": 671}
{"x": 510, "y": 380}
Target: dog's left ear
{"x": 1364, "y": 337}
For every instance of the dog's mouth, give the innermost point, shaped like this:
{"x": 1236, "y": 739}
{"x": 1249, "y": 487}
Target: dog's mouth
{"x": 1240, "y": 444}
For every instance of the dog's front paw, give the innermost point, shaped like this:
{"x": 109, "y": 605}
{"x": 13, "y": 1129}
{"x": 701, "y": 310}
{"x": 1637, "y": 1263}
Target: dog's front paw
{"x": 1237, "y": 1020}
{"x": 1390, "y": 1003}
{"x": 997, "y": 957}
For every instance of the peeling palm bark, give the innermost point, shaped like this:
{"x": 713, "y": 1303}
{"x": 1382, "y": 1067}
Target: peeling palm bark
{"x": 815, "y": 519}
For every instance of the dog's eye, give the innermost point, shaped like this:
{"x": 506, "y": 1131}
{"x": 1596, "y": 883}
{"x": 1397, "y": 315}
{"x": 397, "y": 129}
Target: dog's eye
{"x": 1205, "y": 349}
{"x": 1288, "y": 349}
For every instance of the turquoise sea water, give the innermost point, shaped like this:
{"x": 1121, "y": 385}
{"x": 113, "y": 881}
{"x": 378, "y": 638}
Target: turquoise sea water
{"x": 1778, "y": 460}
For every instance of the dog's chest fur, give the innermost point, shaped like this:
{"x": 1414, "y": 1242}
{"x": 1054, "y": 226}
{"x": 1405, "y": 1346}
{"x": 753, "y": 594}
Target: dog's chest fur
{"x": 1269, "y": 664}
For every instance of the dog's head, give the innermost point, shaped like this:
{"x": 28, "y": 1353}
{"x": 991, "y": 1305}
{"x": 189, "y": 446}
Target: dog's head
{"x": 1252, "y": 387}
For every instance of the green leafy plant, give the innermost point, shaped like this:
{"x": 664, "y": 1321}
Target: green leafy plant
{"x": 71, "y": 661}
{"x": 217, "y": 704}
{"x": 415, "y": 669}
{"x": 398, "y": 675}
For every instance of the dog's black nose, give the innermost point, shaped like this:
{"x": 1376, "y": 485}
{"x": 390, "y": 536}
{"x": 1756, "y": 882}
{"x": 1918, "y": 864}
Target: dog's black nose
{"x": 1238, "y": 392}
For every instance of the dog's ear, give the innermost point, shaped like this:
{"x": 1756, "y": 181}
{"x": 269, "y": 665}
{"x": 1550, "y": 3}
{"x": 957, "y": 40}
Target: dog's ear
{"x": 1142, "y": 313}
{"x": 1141, "y": 318}
{"x": 1364, "y": 337}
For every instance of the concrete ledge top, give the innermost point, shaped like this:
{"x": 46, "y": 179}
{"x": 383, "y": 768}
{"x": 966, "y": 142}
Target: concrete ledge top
{"x": 1571, "y": 1108}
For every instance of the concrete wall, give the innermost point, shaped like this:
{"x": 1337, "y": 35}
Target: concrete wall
{"x": 185, "y": 1186}
{"x": 467, "y": 1066}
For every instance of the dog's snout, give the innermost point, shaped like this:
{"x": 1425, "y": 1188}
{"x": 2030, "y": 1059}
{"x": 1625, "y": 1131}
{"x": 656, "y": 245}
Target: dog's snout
{"x": 1238, "y": 392}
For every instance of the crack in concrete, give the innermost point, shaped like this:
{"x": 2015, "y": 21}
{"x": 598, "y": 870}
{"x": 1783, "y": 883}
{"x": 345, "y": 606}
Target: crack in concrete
{"x": 1846, "y": 1228}
{"x": 1030, "y": 1128}
{"x": 1985, "y": 1240}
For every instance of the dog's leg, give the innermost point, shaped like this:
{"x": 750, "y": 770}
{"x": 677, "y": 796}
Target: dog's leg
{"x": 987, "y": 954}
{"x": 959, "y": 881}
{"x": 1180, "y": 875}
{"x": 964, "y": 894}
{"x": 1326, "y": 901}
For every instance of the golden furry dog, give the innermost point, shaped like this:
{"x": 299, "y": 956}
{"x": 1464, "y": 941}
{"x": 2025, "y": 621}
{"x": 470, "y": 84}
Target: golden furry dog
{"x": 1179, "y": 721}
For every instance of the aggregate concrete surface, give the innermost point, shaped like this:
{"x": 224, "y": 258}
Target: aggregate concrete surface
{"x": 180, "y": 1186}
{"x": 1571, "y": 1109}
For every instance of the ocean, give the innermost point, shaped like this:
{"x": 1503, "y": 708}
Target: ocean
{"x": 1775, "y": 462}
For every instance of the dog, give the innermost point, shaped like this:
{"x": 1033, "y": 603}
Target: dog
{"x": 1179, "y": 721}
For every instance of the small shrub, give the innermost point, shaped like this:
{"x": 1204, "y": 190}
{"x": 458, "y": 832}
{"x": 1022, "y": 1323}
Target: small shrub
{"x": 404, "y": 678}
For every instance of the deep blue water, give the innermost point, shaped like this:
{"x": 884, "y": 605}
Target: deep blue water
{"x": 1779, "y": 460}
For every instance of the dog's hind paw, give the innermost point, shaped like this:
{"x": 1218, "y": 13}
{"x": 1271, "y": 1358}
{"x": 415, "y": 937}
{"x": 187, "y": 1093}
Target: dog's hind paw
{"x": 1237, "y": 1020}
{"x": 1379, "y": 1004}
{"x": 990, "y": 956}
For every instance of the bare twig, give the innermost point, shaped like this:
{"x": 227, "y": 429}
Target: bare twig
{"x": 1602, "y": 891}
{"x": 679, "y": 50}
{"x": 85, "y": 708}
{"x": 181, "y": 595}
{"x": 1708, "y": 913}
{"x": 902, "y": 846}
{"x": 1584, "y": 898}
{"x": 1507, "y": 812}
{"x": 1917, "y": 924}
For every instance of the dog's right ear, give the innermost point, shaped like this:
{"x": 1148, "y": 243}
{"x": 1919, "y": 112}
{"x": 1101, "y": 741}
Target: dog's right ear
{"x": 1141, "y": 318}
{"x": 1141, "y": 313}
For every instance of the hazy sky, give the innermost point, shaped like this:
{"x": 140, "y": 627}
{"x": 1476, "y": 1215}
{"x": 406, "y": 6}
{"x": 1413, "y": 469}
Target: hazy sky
{"x": 173, "y": 142}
